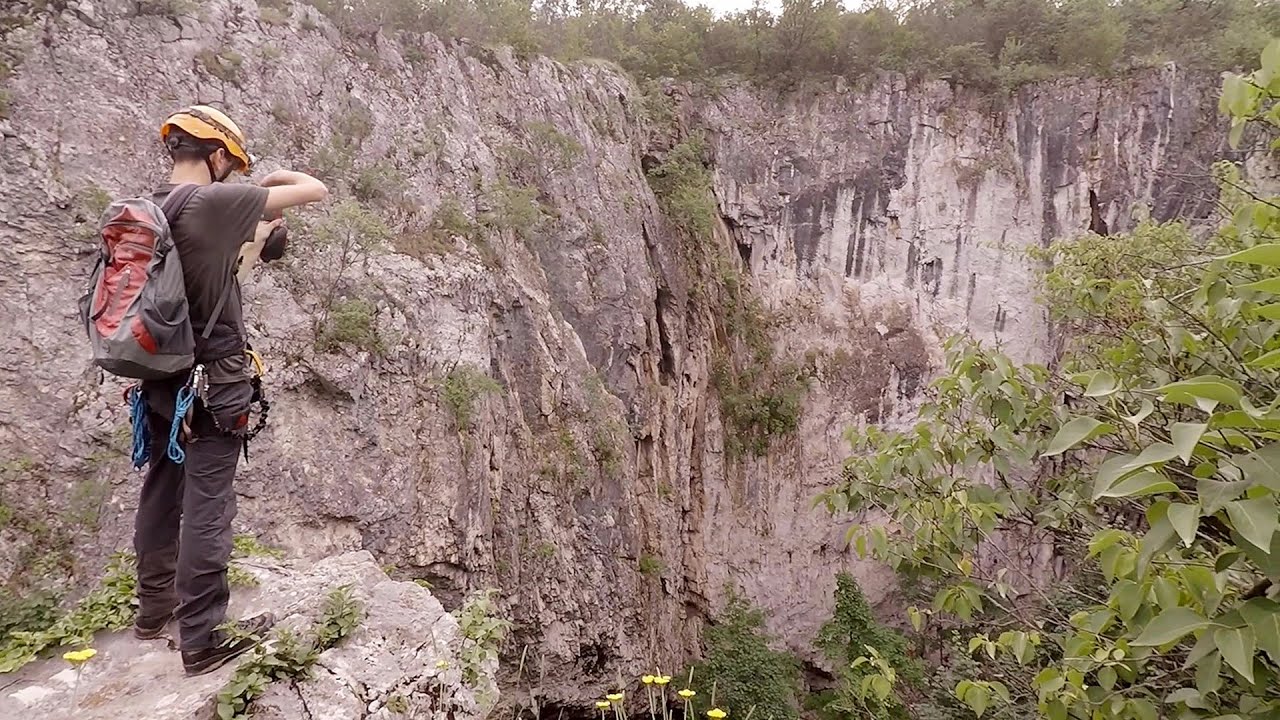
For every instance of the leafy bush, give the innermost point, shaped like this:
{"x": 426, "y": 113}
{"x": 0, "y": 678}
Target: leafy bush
{"x": 514, "y": 208}
{"x": 682, "y": 185}
{"x": 462, "y": 387}
{"x": 287, "y": 656}
{"x": 378, "y": 182}
{"x": 351, "y": 322}
{"x": 111, "y": 606}
{"x": 1147, "y": 457}
{"x": 851, "y": 633}
{"x": 746, "y": 672}
{"x": 483, "y": 632}
{"x": 225, "y": 64}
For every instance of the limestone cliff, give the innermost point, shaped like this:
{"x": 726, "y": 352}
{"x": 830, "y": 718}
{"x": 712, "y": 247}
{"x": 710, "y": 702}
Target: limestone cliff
{"x": 593, "y": 487}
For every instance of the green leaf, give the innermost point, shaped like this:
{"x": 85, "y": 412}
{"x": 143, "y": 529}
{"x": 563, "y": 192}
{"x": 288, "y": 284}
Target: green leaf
{"x": 1270, "y": 285}
{"x": 1209, "y": 387}
{"x": 1263, "y": 617}
{"x": 1267, "y": 255}
{"x": 1202, "y": 583}
{"x": 1185, "y": 695}
{"x": 917, "y": 619}
{"x": 1143, "y": 709}
{"x": 1262, "y": 466}
{"x": 1144, "y": 483}
{"x": 1110, "y": 471}
{"x": 1002, "y": 690}
{"x": 1079, "y": 430}
{"x": 1226, "y": 560}
{"x": 1128, "y": 596}
{"x": 1268, "y": 312}
{"x": 1235, "y": 96}
{"x": 1236, "y": 133}
{"x": 1208, "y": 673}
{"x": 1185, "y": 520}
{"x": 1107, "y": 678}
{"x": 1267, "y": 361}
{"x": 1147, "y": 408}
{"x": 1159, "y": 538}
{"x": 1256, "y": 520}
{"x": 1203, "y": 647}
{"x": 1237, "y": 648}
{"x": 1101, "y": 384}
{"x": 1185, "y": 438}
{"x": 1267, "y": 560}
{"x": 1216, "y": 494}
{"x": 977, "y": 698}
{"x": 1167, "y": 593}
{"x": 1270, "y": 68}
{"x": 1170, "y": 626}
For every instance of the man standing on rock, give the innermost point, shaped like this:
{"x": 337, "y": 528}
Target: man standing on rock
{"x": 182, "y": 533}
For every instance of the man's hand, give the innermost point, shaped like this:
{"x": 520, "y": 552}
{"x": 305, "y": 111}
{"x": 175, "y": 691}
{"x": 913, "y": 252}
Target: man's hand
{"x": 264, "y": 231}
{"x": 250, "y": 252}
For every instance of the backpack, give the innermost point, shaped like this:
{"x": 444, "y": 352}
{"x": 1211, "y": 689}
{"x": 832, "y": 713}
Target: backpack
{"x": 135, "y": 311}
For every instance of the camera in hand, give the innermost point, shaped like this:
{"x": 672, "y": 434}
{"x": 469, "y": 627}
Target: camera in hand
{"x": 277, "y": 242}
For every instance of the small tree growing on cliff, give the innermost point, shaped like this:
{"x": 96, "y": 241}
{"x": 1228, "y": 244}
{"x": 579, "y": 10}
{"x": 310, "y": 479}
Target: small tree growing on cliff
{"x": 1151, "y": 462}
{"x": 347, "y": 233}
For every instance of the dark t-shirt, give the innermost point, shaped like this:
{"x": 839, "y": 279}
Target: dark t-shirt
{"x": 208, "y": 234}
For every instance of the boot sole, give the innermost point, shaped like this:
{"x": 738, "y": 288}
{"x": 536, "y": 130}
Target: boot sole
{"x": 216, "y": 664}
{"x": 148, "y": 634}
{"x": 143, "y": 633}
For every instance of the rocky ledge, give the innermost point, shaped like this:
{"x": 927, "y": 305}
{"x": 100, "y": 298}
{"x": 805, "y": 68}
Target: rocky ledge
{"x": 403, "y": 660}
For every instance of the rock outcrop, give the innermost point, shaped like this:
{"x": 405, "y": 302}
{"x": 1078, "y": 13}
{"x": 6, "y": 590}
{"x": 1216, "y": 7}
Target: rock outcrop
{"x": 592, "y": 485}
{"x": 405, "y": 652}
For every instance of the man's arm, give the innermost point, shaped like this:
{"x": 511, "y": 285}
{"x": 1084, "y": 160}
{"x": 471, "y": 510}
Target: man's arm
{"x": 287, "y": 189}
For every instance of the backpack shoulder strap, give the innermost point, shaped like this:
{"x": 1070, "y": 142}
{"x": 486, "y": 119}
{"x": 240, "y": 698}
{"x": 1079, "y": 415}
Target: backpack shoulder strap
{"x": 173, "y": 206}
{"x": 177, "y": 201}
{"x": 217, "y": 309}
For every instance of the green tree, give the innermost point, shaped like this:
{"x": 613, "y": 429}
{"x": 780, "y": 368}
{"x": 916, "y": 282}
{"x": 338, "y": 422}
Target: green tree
{"x": 1148, "y": 459}
{"x": 852, "y": 639}
{"x": 744, "y": 669}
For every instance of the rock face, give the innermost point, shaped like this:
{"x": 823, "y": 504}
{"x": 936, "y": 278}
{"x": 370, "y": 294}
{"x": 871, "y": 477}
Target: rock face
{"x": 405, "y": 652}
{"x": 593, "y": 487}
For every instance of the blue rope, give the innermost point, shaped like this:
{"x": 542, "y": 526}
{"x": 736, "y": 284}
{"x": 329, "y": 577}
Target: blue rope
{"x": 186, "y": 396}
{"x": 141, "y": 432}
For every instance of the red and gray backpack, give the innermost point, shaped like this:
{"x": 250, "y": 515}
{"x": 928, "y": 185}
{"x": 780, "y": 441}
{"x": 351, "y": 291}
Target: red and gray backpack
{"x": 135, "y": 310}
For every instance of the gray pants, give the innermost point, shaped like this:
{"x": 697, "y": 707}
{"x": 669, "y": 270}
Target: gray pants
{"x": 182, "y": 533}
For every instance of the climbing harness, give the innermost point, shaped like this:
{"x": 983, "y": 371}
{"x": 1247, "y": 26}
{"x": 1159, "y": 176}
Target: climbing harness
{"x": 196, "y": 388}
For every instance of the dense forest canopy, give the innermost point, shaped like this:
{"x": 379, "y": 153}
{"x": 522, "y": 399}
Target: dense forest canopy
{"x": 976, "y": 42}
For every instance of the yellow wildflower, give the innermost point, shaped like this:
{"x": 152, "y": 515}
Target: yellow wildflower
{"x": 615, "y": 697}
{"x": 662, "y": 679}
{"x": 79, "y": 657}
{"x": 647, "y": 679}
{"x": 686, "y": 693}
{"x": 603, "y": 704}
{"x": 442, "y": 664}
{"x": 717, "y": 714}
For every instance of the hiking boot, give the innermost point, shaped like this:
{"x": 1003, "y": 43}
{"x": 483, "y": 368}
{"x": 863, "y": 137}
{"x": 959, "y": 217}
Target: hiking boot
{"x": 151, "y": 628}
{"x": 227, "y": 647}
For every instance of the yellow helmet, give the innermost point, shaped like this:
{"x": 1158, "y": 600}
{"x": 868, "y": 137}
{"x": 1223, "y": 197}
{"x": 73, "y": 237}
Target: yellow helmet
{"x": 207, "y": 123}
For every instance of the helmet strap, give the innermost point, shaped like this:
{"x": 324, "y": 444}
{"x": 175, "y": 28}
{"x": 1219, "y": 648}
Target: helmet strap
{"x": 214, "y": 176}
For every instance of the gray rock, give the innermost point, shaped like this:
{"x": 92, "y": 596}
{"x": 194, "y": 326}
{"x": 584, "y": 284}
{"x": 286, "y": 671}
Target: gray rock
{"x": 401, "y": 645}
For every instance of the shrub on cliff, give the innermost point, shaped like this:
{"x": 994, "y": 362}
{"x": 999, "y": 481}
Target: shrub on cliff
{"x": 1147, "y": 461}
